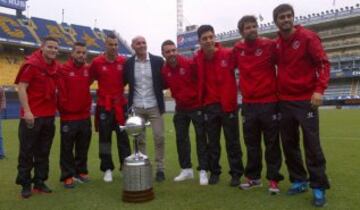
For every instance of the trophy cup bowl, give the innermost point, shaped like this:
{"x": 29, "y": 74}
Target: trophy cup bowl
{"x": 134, "y": 125}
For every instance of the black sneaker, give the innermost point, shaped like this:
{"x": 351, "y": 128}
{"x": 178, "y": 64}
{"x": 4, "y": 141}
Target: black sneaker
{"x": 26, "y": 191}
{"x": 41, "y": 188}
{"x": 160, "y": 176}
{"x": 235, "y": 181}
{"x": 214, "y": 179}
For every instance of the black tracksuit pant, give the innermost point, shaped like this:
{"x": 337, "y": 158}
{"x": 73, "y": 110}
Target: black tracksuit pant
{"x": 107, "y": 123}
{"x": 261, "y": 119}
{"x": 35, "y": 145}
{"x": 182, "y": 121}
{"x": 215, "y": 118}
{"x": 295, "y": 114}
{"x": 75, "y": 138}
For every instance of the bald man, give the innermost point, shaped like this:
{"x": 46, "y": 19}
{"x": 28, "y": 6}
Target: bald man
{"x": 142, "y": 73}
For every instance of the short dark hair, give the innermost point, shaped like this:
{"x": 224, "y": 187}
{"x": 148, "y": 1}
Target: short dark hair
{"x": 167, "y": 42}
{"x": 203, "y": 29}
{"x": 246, "y": 19}
{"x": 280, "y": 9}
{"x": 78, "y": 43}
{"x": 50, "y": 38}
{"x": 111, "y": 35}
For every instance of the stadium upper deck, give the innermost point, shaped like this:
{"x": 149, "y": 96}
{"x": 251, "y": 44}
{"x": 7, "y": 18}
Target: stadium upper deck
{"x": 28, "y": 33}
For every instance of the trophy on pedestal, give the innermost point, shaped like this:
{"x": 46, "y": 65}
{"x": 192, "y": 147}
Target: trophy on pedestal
{"x": 137, "y": 172}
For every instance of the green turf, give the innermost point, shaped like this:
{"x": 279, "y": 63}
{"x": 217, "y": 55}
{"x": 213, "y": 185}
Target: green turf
{"x": 340, "y": 133}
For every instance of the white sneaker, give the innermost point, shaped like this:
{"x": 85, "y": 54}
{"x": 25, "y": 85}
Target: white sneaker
{"x": 108, "y": 176}
{"x": 184, "y": 175}
{"x": 203, "y": 178}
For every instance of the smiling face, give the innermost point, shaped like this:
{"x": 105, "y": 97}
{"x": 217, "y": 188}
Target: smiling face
{"x": 79, "y": 54}
{"x": 170, "y": 52}
{"x": 250, "y": 31}
{"x": 139, "y": 46}
{"x": 50, "y": 50}
{"x": 285, "y": 21}
{"x": 207, "y": 42}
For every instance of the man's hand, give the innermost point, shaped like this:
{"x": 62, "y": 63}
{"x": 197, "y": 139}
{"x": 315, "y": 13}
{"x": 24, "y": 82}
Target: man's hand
{"x": 316, "y": 99}
{"x": 29, "y": 119}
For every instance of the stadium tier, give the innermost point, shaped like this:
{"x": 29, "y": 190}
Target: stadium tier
{"x": 13, "y": 31}
{"x": 339, "y": 30}
{"x": 28, "y": 32}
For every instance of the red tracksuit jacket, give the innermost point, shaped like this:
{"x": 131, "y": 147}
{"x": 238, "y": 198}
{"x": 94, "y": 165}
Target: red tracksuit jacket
{"x": 303, "y": 67}
{"x": 41, "y": 78}
{"x": 182, "y": 82}
{"x": 111, "y": 84}
{"x": 255, "y": 61}
{"x": 74, "y": 99}
{"x": 216, "y": 83}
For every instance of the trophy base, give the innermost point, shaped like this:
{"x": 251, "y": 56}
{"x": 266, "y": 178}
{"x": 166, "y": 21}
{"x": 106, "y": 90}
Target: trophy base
{"x": 138, "y": 196}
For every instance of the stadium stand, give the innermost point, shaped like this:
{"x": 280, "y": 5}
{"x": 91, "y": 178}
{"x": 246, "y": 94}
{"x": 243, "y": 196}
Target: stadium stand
{"x": 87, "y": 35}
{"x": 12, "y": 31}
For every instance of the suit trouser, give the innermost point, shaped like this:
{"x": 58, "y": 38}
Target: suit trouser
{"x": 215, "y": 118}
{"x": 34, "y": 151}
{"x": 157, "y": 123}
{"x": 107, "y": 123}
{"x": 182, "y": 121}
{"x": 293, "y": 115}
{"x": 262, "y": 119}
{"x": 75, "y": 135}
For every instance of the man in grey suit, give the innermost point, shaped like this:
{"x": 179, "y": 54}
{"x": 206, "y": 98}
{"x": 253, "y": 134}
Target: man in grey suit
{"x": 143, "y": 74}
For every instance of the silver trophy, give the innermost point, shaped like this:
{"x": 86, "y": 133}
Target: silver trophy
{"x": 137, "y": 172}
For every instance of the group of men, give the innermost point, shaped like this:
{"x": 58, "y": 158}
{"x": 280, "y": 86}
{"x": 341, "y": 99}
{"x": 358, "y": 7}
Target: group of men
{"x": 281, "y": 81}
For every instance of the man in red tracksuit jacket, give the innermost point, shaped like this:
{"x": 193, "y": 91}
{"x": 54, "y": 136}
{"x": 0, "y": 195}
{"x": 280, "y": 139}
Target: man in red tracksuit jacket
{"x": 36, "y": 82}
{"x": 303, "y": 75}
{"x": 218, "y": 94}
{"x": 180, "y": 77}
{"x": 74, "y": 102}
{"x": 254, "y": 57}
{"x": 108, "y": 70}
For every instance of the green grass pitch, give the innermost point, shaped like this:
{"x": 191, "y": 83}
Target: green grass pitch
{"x": 340, "y": 136}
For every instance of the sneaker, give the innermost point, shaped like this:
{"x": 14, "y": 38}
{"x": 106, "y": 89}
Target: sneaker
{"x": 26, "y": 191}
{"x": 184, "y": 175}
{"x": 160, "y": 176}
{"x": 273, "y": 187}
{"x": 203, "y": 178}
{"x": 82, "y": 178}
{"x": 235, "y": 181}
{"x": 214, "y": 179}
{"x": 41, "y": 187}
{"x": 319, "y": 197}
{"x": 69, "y": 183}
{"x": 297, "y": 187}
{"x": 250, "y": 183}
{"x": 108, "y": 176}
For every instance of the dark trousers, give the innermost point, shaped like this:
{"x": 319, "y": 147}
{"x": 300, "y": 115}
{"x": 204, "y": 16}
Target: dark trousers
{"x": 75, "y": 137}
{"x": 215, "y": 118}
{"x": 35, "y": 145}
{"x": 262, "y": 119}
{"x": 107, "y": 124}
{"x": 295, "y": 114}
{"x": 182, "y": 121}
